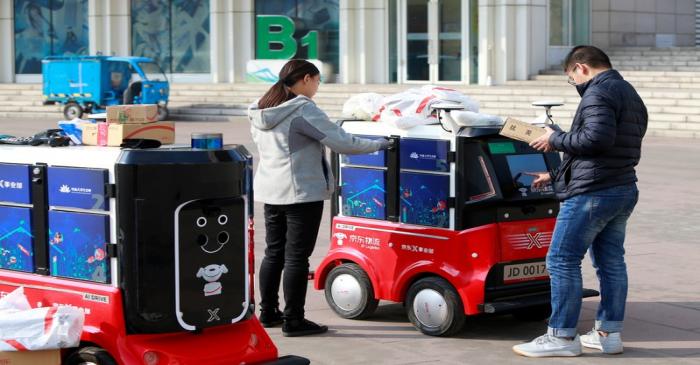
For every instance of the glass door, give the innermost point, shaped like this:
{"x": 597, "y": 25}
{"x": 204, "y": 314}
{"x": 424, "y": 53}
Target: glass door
{"x": 432, "y": 46}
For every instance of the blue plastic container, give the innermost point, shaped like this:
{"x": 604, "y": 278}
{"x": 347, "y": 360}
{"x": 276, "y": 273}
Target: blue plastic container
{"x": 207, "y": 141}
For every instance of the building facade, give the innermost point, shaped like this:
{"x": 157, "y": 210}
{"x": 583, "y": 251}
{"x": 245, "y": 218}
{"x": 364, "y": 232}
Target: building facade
{"x": 357, "y": 41}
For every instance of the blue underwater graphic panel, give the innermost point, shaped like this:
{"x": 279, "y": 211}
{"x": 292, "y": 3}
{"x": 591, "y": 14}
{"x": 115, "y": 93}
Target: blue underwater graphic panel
{"x": 363, "y": 192}
{"x": 78, "y": 188}
{"x": 77, "y": 246}
{"x": 16, "y": 250}
{"x": 369, "y": 159}
{"x": 14, "y": 183}
{"x": 424, "y": 154}
{"x": 423, "y": 199}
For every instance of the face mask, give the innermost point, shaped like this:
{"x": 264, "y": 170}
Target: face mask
{"x": 581, "y": 88}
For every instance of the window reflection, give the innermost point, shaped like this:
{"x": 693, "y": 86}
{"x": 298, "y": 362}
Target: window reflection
{"x": 48, "y": 28}
{"x": 174, "y": 33}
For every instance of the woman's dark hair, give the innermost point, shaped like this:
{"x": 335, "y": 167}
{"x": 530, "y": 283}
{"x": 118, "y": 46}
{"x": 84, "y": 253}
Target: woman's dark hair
{"x": 291, "y": 72}
{"x": 590, "y": 55}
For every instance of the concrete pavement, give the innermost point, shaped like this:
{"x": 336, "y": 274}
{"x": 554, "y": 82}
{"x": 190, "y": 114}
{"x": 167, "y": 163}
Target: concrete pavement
{"x": 663, "y": 255}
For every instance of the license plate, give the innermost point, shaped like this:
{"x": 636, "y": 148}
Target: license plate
{"x": 522, "y": 272}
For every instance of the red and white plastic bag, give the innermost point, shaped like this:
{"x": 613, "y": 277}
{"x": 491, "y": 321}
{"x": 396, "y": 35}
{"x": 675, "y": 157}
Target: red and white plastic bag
{"x": 413, "y": 107}
{"x": 23, "y": 328}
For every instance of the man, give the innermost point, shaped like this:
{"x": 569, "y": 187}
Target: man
{"x": 596, "y": 184}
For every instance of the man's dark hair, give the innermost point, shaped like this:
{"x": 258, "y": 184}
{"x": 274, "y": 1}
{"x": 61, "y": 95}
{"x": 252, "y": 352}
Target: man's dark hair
{"x": 590, "y": 55}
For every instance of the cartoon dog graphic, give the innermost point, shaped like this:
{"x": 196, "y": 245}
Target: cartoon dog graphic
{"x": 212, "y": 273}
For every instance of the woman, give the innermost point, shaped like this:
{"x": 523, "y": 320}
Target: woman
{"x": 293, "y": 179}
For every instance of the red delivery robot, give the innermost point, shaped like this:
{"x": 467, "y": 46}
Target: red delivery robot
{"x": 447, "y": 223}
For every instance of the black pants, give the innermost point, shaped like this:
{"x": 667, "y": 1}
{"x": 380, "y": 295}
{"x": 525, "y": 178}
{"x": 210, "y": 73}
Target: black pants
{"x": 291, "y": 232}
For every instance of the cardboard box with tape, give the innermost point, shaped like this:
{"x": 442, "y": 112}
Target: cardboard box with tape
{"x": 106, "y": 134}
{"x": 521, "y": 131}
{"x": 90, "y": 134}
{"x": 132, "y": 114}
{"x": 160, "y": 131}
{"x": 95, "y": 134}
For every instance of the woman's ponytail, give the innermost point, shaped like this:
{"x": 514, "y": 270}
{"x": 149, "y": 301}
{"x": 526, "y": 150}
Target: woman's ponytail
{"x": 276, "y": 95}
{"x": 291, "y": 72}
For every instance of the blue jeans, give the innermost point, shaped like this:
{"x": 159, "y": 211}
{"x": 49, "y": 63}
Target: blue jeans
{"x": 592, "y": 222}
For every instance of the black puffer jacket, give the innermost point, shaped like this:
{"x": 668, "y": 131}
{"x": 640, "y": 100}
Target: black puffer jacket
{"x": 604, "y": 143}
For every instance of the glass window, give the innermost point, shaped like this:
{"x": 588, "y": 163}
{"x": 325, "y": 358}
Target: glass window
{"x": 175, "y": 34}
{"x": 48, "y": 28}
{"x": 580, "y": 22}
{"x": 450, "y": 40}
{"x": 558, "y": 23}
{"x": 152, "y": 71}
{"x": 474, "y": 41}
{"x": 393, "y": 48}
{"x": 569, "y": 22}
{"x": 321, "y": 16}
{"x": 417, "y": 44}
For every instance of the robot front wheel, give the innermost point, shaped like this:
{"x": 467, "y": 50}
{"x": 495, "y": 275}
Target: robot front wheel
{"x": 434, "y": 307}
{"x": 349, "y": 292}
{"x": 90, "y": 355}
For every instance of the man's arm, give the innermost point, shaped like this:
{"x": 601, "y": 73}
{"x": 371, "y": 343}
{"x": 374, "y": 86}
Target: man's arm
{"x": 597, "y": 132}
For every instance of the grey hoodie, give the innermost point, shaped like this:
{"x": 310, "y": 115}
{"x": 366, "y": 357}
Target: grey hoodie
{"x": 291, "y": 139}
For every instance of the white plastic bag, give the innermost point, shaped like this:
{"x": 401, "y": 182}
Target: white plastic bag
{"x": 23, "y": 328}
{"x": 414, "y": 106}
{"x": 362, "y": 106}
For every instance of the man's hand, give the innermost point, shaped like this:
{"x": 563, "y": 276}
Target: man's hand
{"x": 541, "y": 178}
{"x": 542, "y": 143}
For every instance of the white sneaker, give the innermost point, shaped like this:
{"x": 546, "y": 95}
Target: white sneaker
{"x": 549, "y": 346}
{"x": 610, "y": 344}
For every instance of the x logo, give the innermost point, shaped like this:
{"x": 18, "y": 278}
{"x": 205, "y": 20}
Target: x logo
{"x": 534, "y": 241}
{"x": 213, "y": 315}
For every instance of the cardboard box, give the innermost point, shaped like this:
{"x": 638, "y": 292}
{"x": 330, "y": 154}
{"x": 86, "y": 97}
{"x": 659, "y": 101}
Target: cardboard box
{"x": 102, "y": 130}
{"x": 161, "y": 131}
{"x": 95, "y": 134}
{"x": 90, "y": 132}
{"x": 132, "y": 114}
{"x": 522, "y": 131}
{"x": 44, "y": 357}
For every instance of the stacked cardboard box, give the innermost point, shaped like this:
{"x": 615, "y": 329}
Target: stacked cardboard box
{"x": 129, "y": 122}
{"x": 45, "y": 357}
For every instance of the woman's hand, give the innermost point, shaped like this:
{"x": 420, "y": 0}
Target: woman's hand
{"x": 386, "y": 144}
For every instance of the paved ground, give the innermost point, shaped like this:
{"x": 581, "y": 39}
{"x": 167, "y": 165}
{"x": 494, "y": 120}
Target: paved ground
{"x": 663, "y": 253}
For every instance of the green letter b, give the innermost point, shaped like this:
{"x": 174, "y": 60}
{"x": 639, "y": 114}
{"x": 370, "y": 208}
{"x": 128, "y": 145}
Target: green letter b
{"x": 285, "y": 37}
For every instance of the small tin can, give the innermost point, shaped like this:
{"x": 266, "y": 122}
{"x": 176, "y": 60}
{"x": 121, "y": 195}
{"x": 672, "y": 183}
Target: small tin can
{"x": 207, "y": 141}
